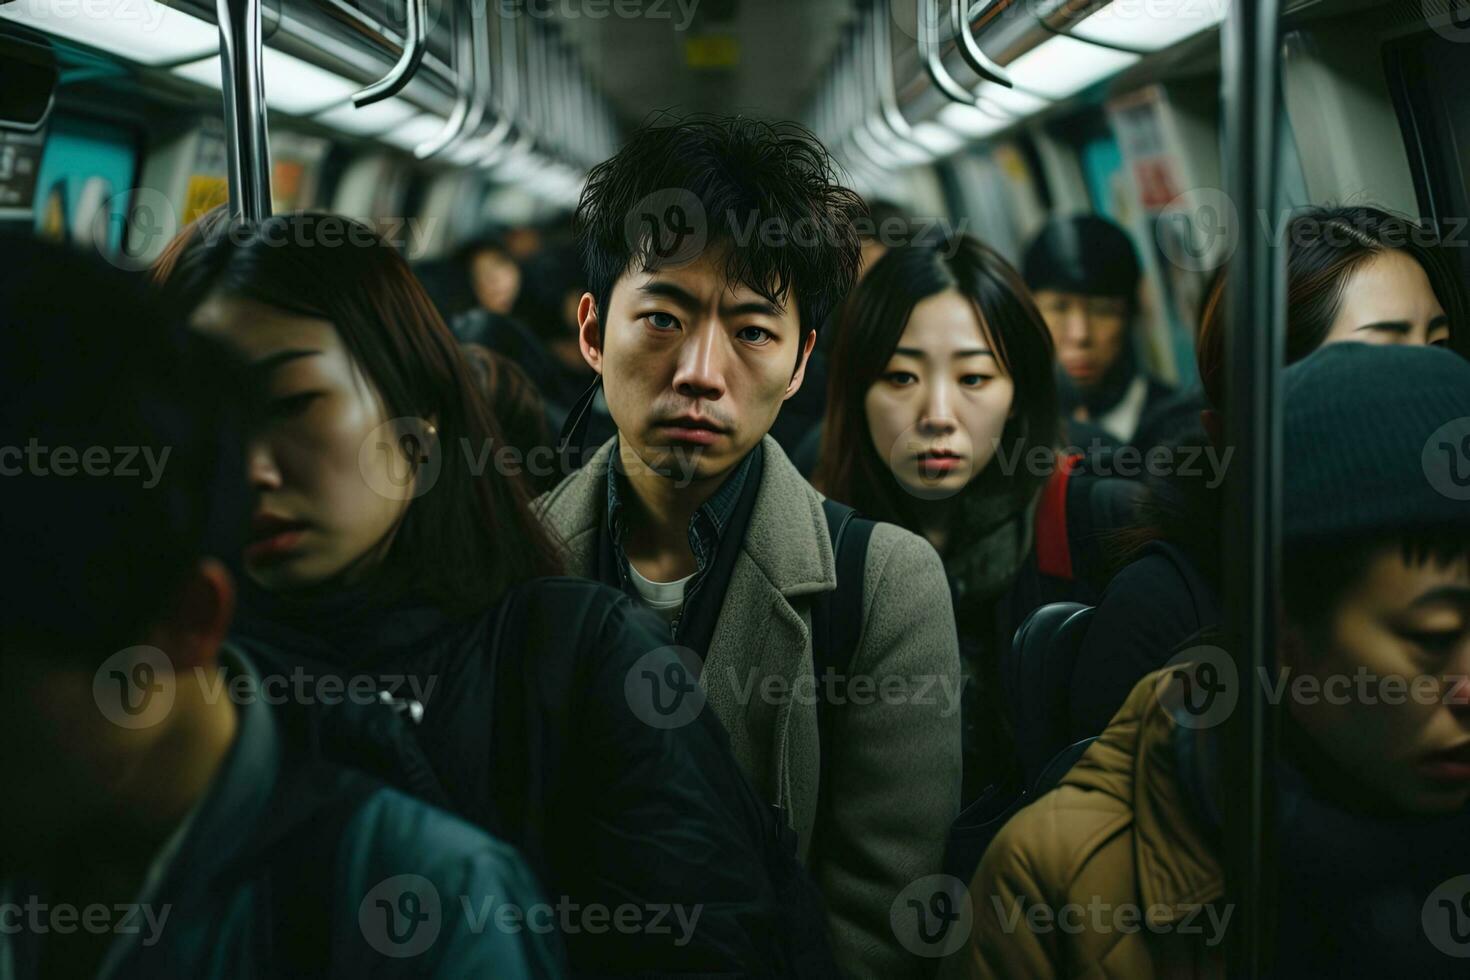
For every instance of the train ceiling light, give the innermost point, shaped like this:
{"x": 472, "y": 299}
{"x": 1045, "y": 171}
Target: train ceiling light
{"x": 410, "y": 134}
{"x": 1011, "y": 100}
{"x": 1063, "y": 66}
{"x": 937, "y": 139}
{"x": 1149, "y": 25}
{"x": 291, "y": 85}
{"x": 143, "y": 31}
{"x": 369, "y": 120}
{"x": 865, "y": 126}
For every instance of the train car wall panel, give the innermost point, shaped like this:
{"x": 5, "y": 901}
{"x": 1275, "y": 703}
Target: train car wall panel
{"x": 1340, "y": 110}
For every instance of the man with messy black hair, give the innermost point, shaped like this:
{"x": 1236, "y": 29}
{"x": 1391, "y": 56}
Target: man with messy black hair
{"x": 715, "y": 249}
{"x": 763, "y": 197}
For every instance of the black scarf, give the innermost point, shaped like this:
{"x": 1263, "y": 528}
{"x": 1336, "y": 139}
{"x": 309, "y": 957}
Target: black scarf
{"x": 344, "y": 628}
{"x": 1361, "y": 892}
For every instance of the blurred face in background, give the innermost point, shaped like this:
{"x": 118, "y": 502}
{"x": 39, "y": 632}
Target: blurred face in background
{"x": 872, "y": 251}
{"x": 1388, "y": 300}
{"x": 330, "y": 484}
{"x": 938, "y": 409}
{"x": 1089, "y": 332}
{"x": 496, "y": 280}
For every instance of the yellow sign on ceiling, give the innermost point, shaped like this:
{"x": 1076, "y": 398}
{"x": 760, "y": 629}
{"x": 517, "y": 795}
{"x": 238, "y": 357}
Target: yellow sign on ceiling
{"x": 712, "y": 51}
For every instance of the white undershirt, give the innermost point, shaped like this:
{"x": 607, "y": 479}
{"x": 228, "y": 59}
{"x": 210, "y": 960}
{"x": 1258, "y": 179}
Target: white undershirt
{"x": 1122, "y": 421}
{"x": 664, "y": 598}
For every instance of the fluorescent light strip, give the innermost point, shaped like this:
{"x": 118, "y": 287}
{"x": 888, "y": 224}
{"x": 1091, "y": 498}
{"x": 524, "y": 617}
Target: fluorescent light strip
{"x": 413, "y": 132}
{"x": 939, "y": 140}
{"x": 477, "y": 151}
{"x": 1062, "y": 66}
{"x": 1009, "y": 99}
{"x": 550, "y": 181}
{"x": 467, "y": 153}
{"x": 969, "y": 121}
{"x": 909, "y": 153}
{"x": 1149, "y": 25}
{"x": 291, "y": 85}
{"x": 518, "y": 166}
{"x": 369, "y": 120}
{"x": 144, "y": 31}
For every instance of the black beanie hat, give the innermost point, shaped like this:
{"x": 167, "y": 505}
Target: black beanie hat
{"x": 1083, "y": 254}
{"x": 1376, "y": 441}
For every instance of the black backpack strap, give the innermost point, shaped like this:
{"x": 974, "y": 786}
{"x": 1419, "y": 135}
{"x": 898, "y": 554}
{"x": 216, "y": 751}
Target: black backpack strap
{"x": 837, "y": 623}
{"x": 971, "y": 833}
{"x": 1201, "y": 592}
{"x": 1060, "y": 764}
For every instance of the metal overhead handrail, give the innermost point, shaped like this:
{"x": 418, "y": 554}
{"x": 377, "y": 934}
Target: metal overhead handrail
{"x": 855, "y": 88}
{"x": 584, "y": 124}
{"x": 243, "y": 90}
{"x": 509, "y": 95}
{"x": 929, "y": 54}
{"x": 1251, "y": 527}
{"x": 514, "y": 93}
{"x": 883, "y": 67}
{"x": 510, "y": 67}
{"x": 880, "y": 42}
{"x": 546, "y": 108}
{"x": 870, "y": 118}
{"x": 977, "y": 59}
{"x": 850, "y": 83}
{"x": 821, "y": 114}
{"x": 480, "y": 63}
{"x": 560, "y": 97}
{"x": 415, "y": 44}
{"x": 535, "y": 95}
{"x": 479, "y": 107}
{"x": 464, "y": 92}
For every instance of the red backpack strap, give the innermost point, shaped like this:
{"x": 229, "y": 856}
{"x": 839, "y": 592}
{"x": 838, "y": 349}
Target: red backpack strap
{"x": 1053, "y": 547}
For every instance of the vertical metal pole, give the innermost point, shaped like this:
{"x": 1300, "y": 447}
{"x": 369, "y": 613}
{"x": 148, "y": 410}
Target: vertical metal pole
{"x": 244, "y": 99}
{"x": 1252, "y": 520}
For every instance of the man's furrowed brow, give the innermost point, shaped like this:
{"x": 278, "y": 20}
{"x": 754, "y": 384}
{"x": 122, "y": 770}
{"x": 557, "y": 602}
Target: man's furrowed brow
{"x": 664, "y": 289}
{"x": 754, "y": 307}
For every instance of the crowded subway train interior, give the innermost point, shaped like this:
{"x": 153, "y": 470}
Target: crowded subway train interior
{"x": 649, "y": 488}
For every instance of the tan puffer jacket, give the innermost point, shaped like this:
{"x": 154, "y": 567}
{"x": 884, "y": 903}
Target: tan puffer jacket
{"x": 1108, "y": 875}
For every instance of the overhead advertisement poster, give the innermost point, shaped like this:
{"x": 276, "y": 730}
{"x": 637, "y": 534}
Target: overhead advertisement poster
{"x": 85, "y": 181}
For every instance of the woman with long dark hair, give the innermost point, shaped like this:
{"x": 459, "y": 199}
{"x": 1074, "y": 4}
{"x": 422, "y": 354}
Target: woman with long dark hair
{"x": 360, "y": 368}
{"x": 941, "y": 418}
{"x": 387, "y": 548}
